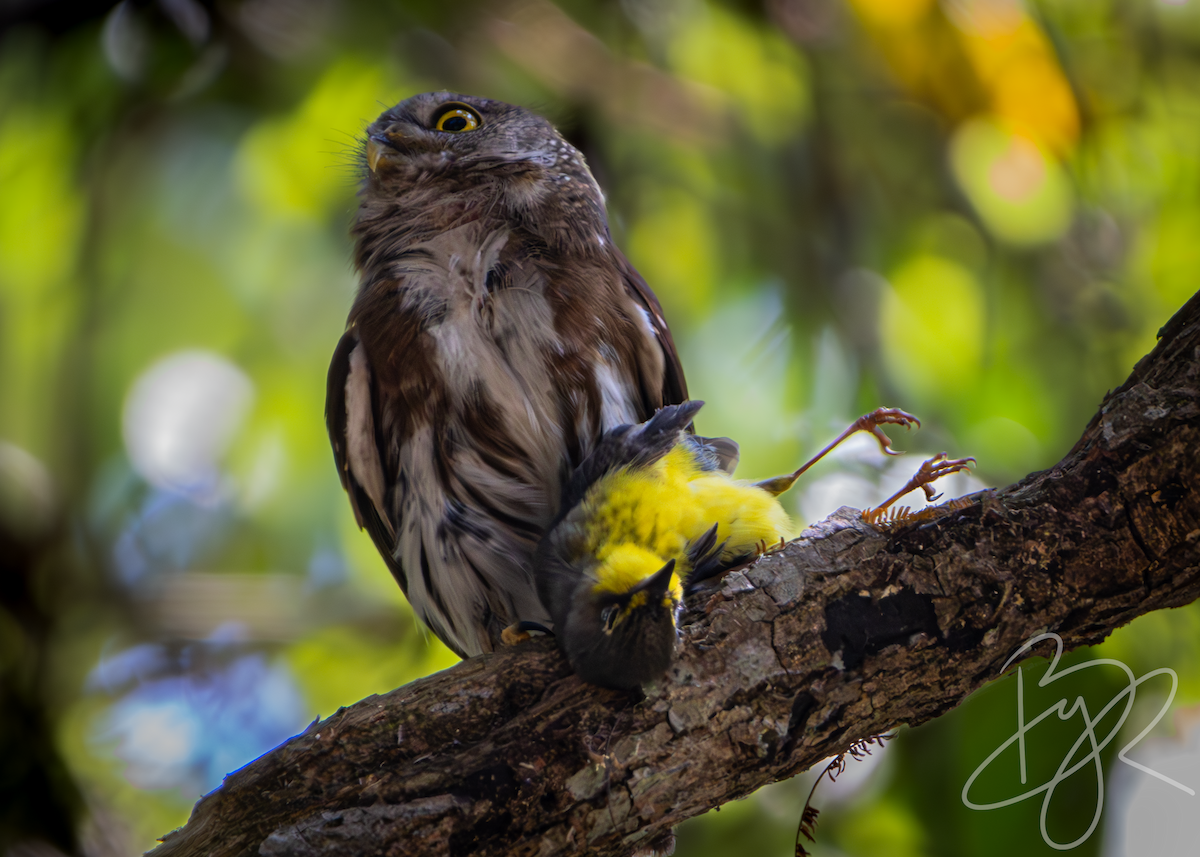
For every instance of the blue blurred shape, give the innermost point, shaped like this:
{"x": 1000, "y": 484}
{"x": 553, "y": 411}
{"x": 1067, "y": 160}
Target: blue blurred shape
{"x": 167, "y": 534}
{"x": 187, "y": 731}
{"x": 326, "y": 567}
{"x": 135, "y": 663}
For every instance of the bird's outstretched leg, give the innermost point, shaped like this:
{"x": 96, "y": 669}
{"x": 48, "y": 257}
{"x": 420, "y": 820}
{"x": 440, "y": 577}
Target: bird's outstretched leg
{"x": 872, "y": 422}
{"x": 930, "y": 471}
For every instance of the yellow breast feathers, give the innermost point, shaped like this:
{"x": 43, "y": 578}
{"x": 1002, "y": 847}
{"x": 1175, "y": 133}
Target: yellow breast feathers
{"x": 639, "y": 518}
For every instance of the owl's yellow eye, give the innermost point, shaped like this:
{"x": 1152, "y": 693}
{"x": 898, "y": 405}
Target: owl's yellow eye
{"x": 456, "y": 118}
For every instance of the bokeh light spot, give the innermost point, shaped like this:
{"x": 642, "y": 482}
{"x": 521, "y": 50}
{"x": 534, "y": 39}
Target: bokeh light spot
{"x": 892, "y": 13}
{"x": 933, "y": 326}
{"x": 765, "y": 77}
{"x": 180, "y": 417}
{"x": 1021, "y": 195}
{"x": 188, "y": 731}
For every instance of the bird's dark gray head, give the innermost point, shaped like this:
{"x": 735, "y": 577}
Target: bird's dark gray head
{"x": 441, "y": 132}
{"x": 622, "y": 640}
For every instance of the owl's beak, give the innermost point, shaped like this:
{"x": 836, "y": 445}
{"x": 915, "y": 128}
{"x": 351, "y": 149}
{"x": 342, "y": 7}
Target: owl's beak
{"x": 375, "y": 151}
{"x": 382, "y": 147}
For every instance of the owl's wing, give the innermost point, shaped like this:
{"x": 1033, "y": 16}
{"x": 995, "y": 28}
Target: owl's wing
{"x": 674, "y": 389}
{"x": 349, "y": 388}
{"x": 364, "y": 449}
{"x": 721, "y": 451}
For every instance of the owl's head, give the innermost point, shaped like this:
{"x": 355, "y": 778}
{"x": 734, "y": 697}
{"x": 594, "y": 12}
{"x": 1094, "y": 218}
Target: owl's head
{"x": 443, "y": 133}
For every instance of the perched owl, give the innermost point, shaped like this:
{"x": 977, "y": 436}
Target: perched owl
{"x": 496, "y": 335}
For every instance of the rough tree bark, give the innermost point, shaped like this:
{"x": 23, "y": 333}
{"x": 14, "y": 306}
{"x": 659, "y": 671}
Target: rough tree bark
{"x": 849, "y": 632}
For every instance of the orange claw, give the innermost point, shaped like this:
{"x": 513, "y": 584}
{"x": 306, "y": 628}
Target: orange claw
{"x": 874, "y": 422}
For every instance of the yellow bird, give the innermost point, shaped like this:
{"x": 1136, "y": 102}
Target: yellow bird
{"x": 649, "y": 510}
{"x": 653, "y": 510}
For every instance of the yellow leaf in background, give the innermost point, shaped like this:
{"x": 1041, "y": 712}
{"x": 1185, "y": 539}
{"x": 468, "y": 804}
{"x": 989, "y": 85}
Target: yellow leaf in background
{"x": 978, "y": 54}
{"x": 1033, "y": 99}
{"x": 1030, "y": 94}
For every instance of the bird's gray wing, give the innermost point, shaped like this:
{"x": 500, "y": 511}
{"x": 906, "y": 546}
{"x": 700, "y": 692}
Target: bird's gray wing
{"x": 716, "y": 453}
{"x": 628, "y": 446}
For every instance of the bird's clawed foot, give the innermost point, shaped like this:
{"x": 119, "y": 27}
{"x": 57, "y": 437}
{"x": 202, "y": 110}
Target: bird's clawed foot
{"x": 929, "y": 472}
{"x": 877, "y": 419}
{"x": 763, "y": 548}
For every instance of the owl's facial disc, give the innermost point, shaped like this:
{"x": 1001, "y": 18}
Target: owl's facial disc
{"x": 438, "y": 132}
{"x": 421, "y": 129}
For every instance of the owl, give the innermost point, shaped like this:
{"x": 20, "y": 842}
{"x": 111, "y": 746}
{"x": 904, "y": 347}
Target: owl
{"x": 496, "y": 335}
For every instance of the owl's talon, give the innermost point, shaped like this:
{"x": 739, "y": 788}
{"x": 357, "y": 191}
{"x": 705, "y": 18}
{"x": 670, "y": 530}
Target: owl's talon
{"x": 519, "y": 632}
{"x": 513, "y": 635}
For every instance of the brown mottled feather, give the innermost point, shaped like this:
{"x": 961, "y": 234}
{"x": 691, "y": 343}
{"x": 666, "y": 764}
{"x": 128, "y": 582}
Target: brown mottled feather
{"x": 496, "y": 335}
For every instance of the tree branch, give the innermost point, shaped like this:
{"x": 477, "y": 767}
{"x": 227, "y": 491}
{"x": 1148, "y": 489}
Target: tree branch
{"x": 849, "y": 632}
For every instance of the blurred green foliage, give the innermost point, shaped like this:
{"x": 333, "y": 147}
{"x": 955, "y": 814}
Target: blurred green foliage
{"x": 978, "y": 210}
